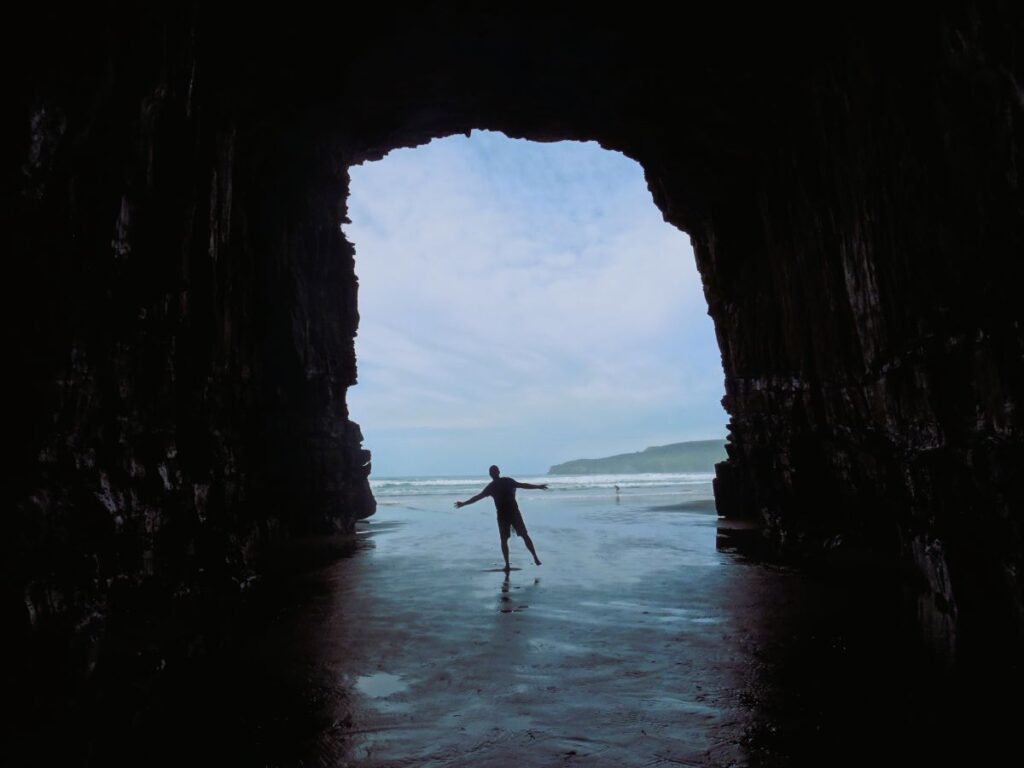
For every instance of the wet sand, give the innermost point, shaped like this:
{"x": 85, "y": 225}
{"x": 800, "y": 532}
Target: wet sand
{"x": 636, "y": 643}
{"x": 610, "y": 652}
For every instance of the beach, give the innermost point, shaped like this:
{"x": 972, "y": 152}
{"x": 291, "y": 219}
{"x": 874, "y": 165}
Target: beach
{"x": 638, "y": 642}
{"x": 591, "y": 655}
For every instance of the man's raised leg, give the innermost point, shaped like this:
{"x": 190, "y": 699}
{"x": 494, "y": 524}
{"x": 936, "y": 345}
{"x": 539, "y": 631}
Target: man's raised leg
{"x": 529, "y": 545}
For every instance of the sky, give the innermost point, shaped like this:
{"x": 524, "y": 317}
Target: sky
{"x": 522, "y": 304}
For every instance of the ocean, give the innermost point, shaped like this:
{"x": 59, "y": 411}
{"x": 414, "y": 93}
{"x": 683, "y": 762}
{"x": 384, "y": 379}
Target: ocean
{"x": 582, "y": 527}
{"x": 635, "y": 490}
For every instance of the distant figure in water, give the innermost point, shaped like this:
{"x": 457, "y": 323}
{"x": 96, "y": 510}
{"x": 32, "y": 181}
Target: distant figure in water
{"x": 616, "y": 494}
{"x": 503, "y": 491}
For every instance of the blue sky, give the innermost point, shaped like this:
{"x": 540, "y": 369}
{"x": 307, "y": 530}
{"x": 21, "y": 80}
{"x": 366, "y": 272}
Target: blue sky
{"x": 522, "y": 304}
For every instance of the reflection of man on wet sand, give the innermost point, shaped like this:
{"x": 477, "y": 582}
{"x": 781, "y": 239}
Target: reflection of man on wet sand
{"x": 503, "y": 491}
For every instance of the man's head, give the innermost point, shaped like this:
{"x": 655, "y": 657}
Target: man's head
{"x": 495, "y": 472}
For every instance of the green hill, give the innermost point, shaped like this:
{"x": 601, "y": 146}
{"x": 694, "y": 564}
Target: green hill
{"x": 694, "y": 456}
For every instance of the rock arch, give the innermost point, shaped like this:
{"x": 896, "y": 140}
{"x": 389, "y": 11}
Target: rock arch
{"x": 183, "y": 304}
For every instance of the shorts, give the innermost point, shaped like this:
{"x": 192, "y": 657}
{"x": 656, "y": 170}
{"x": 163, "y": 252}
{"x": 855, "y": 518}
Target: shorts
{"x": 509, "y": 521}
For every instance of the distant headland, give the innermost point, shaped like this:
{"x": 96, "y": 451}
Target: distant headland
{"x": 693, "y": 456}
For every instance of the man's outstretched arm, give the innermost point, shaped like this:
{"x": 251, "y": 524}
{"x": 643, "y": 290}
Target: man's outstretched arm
{"x": 473, "y": 500}
{"x": 541, "y": 487}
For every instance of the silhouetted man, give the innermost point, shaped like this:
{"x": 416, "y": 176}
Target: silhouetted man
{"x": 503, "y": 491}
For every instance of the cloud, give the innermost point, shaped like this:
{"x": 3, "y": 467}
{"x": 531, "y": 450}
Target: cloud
{"x": 522, "y": 289}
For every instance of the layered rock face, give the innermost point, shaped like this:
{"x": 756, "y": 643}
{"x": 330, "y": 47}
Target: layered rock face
{"x": 181, "y": 326}
{"x": 870, "y": 332}
{"x": 181, "y": 322}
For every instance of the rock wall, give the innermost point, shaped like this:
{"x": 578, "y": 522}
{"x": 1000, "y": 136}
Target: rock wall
{"x": 182, "y": 305}
{"x": 871, "y": 336}
{"x": 180, "y": 329}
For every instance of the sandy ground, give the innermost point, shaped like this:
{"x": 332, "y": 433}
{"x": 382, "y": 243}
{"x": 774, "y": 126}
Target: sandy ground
{"x": 618, "y": 650}
{"x": 636, "y": 643}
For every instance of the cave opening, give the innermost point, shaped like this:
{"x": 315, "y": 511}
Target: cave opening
{"x": 182, "y": 331}
{"x": 523, "y": 303}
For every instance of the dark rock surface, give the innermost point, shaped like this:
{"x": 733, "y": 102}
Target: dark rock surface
{"x": 181, "y": 303}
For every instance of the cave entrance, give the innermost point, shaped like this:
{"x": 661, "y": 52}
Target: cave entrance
{"x": 525, "y": 304}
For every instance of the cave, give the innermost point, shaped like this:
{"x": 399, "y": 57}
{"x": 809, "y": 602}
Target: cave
{"x": 183, "y": 303}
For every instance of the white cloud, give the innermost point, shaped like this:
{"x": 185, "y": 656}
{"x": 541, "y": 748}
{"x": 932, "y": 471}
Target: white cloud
{"x": 506, "y": 285}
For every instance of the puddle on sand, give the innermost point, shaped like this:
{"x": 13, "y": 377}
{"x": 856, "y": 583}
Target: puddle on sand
{"x": 380, "y": 684}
